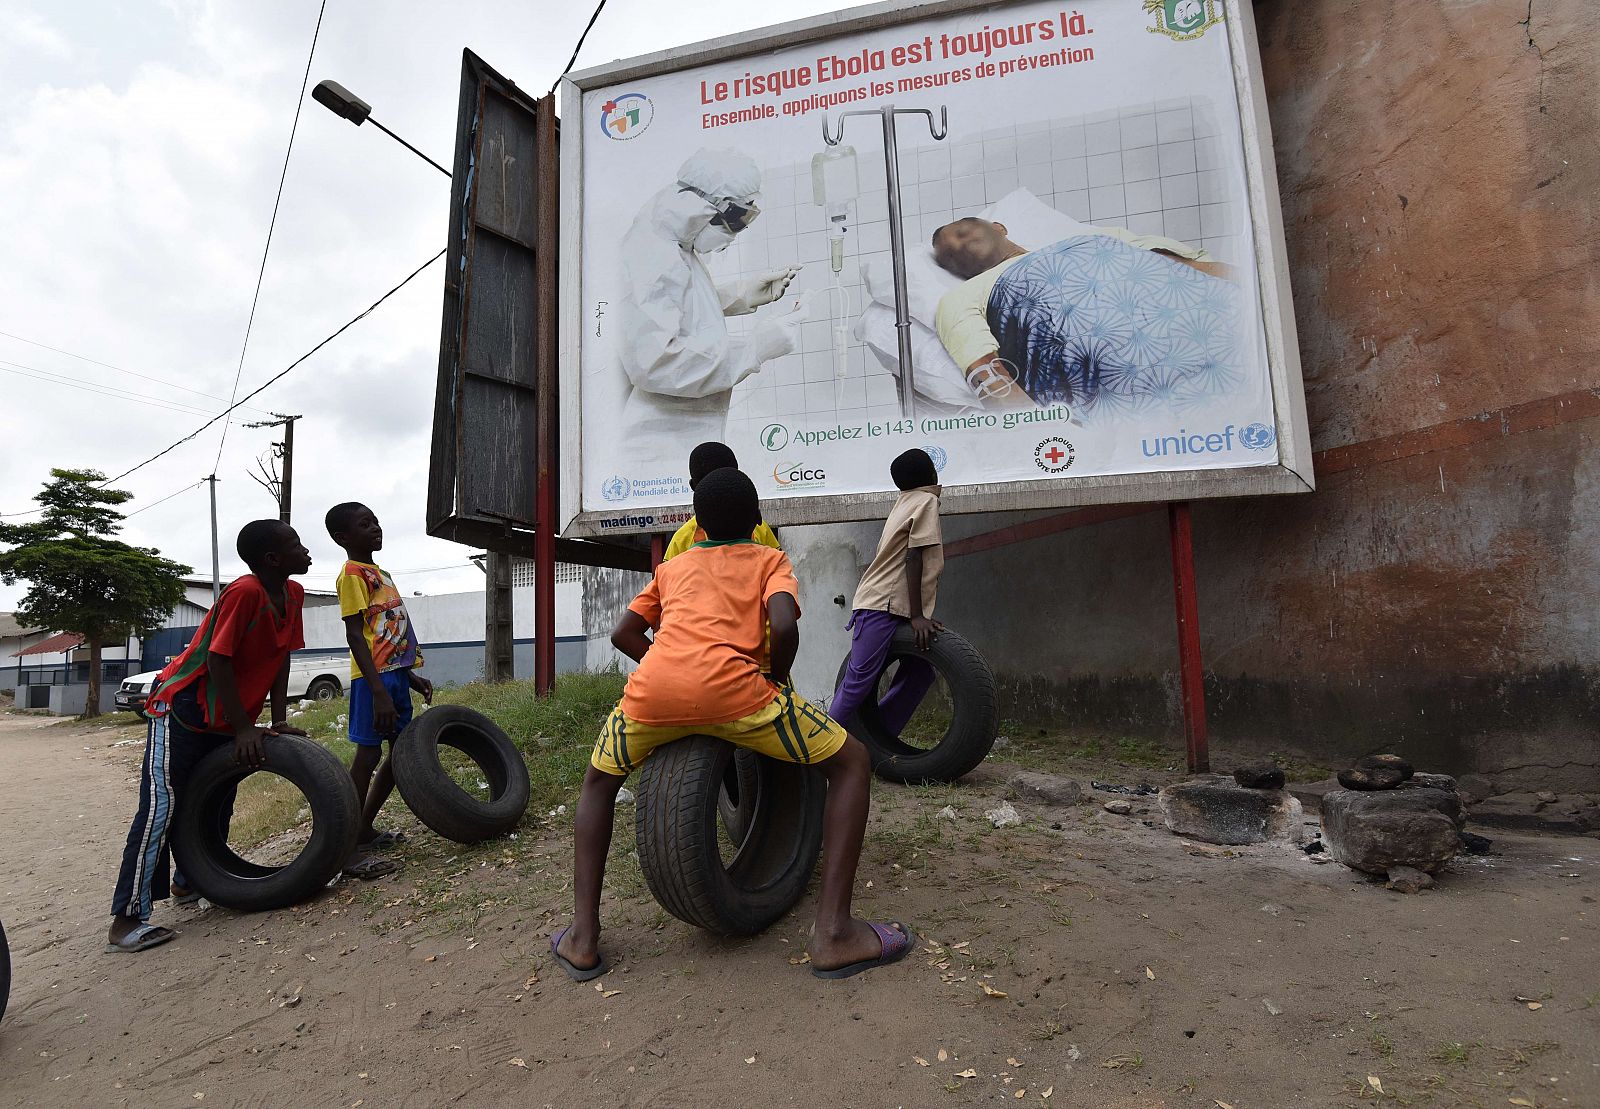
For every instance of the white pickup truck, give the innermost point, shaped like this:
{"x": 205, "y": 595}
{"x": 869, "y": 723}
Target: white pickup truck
{"x": 315, "y": 677}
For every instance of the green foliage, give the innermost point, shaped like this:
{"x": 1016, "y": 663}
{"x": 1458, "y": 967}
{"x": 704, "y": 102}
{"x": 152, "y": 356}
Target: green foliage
{"x": 80, "y": 579}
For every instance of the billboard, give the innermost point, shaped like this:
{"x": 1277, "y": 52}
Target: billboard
{"x": 1040, "y": 241}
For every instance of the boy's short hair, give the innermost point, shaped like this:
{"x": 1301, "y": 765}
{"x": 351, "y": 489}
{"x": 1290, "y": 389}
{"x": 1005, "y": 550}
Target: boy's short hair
{"x": 259, "y": 538}
{"x": 708, "y": 457}
{"x": 726, "y": 505}
{"x": 340, "y": 516}
{"x": 913, "y": 470}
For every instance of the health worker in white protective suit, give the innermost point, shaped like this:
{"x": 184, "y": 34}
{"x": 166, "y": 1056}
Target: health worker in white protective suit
{"x": 674, "y": 344}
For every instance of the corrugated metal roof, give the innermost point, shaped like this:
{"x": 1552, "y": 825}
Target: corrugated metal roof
{"x": 55, "y": 644}
{"x": 9, "y": 626}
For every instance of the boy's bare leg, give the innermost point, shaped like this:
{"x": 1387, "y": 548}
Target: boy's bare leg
{"x": 375, "y": 796}
{"x": 597, "y": 805}
{"x": 361, "y": 773}
{"x": 840, "y": 939}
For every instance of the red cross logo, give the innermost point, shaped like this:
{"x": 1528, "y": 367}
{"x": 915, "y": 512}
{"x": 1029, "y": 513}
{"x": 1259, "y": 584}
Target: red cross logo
{"x": 1055, "y": 455}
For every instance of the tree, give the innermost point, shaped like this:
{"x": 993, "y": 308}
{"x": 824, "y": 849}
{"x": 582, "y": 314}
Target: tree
{"x": 82, "y": 580}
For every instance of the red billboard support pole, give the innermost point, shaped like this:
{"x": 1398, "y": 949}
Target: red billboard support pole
{"x": 1191, "y": 667}
{"x": 546, "y": 285}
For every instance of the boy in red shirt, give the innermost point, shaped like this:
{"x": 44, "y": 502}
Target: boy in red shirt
{"x": 207, "y": 696}
{"x": 701, "y": 675}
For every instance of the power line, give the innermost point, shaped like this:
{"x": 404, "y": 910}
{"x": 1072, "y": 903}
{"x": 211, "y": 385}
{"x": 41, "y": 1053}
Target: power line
{"x": 271, "y": 224}
{"x": 118, "y": 369}
{"x": 163, "y": 500}
{"x": 51, "y": 378}
{"x": 597, "y": 10}
{"x": 363, "y": 314}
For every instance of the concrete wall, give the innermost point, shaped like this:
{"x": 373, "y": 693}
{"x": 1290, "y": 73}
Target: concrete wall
{"x": 450, "y": 626}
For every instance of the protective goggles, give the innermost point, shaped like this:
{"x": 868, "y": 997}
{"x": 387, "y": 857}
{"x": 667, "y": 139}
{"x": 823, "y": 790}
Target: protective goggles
{"x": 735, "y": 215}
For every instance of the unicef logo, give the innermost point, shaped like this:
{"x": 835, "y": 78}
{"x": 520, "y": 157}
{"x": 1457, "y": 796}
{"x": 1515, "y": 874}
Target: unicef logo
{"x": 615, "y": 489}
{"x": 1258, "y": 437}
{"x": 626, "y": 115}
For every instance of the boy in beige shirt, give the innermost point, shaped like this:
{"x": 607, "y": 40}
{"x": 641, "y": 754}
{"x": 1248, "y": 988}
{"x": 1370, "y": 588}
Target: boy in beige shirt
{"x": 899, "y": 587}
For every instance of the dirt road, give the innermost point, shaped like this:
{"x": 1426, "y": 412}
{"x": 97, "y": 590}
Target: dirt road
{"x": 1132, "y": 974}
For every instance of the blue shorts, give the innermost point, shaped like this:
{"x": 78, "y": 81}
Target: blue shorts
{"x": 397, "y": 682}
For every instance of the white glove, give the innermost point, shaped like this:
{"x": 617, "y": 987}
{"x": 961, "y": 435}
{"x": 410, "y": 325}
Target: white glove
{"x": 753, "y": 292}
{"x": 776, "y": 336}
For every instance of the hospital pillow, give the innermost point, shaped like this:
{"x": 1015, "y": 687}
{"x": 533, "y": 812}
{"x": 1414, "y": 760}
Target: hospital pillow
{"x": 938, "y": 378}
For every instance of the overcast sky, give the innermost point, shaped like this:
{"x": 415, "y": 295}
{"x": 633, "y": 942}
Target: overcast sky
{"x": 140, "y": 147}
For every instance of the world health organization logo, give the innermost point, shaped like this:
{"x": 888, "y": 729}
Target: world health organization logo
{"x": 940, "y": 457}
{"x": 615, "y": 489}
{"x": 1258, "y": 437}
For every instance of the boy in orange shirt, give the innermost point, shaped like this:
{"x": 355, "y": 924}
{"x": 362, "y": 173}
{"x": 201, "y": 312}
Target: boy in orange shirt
{"x": 700, "y": 674}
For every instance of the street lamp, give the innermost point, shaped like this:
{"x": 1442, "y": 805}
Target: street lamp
{"x": 342, "y": 102}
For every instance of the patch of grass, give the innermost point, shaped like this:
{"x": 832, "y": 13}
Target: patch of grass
{"x": 1049, "y": 1030}
{"x": 1381, "y": 1044}
{"x": 1300, "y": 770}
{"x": 1452, "y": 1052}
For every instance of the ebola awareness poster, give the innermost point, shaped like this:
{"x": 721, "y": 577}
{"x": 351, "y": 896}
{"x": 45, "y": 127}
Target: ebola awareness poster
{"x": 1017, "y": 237}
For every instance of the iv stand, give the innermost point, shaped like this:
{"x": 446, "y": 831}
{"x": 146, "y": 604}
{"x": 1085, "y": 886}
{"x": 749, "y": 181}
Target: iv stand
{"x": 897, "y": 250}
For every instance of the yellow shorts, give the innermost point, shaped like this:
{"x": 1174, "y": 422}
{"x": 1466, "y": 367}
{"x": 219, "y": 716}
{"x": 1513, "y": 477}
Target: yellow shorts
{"x": 790, "y": 728}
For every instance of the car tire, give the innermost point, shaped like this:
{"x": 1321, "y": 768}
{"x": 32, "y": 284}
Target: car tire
{"x": 5, "y": 971}
{"x": 736, "y": 799}
{"x": 324, "y": 689}
{"x": 974, "y": 720}
{"x": 200, "y": 833}
{"x": 435, "y": 797}
{"x": 680, "y": 852}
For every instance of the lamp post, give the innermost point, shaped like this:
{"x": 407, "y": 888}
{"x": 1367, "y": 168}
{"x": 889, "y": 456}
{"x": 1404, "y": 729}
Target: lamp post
{"x": 498, "y": 640}
{"x": 342, "y": 102}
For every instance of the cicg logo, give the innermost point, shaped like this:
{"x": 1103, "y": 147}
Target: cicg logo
{"x": 798, "y": 475}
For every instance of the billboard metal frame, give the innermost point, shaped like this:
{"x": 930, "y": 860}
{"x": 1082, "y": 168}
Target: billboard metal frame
{"x": 1291, "y": 474}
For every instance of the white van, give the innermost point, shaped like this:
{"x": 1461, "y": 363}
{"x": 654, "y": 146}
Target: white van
{"x": 319, "y": 677}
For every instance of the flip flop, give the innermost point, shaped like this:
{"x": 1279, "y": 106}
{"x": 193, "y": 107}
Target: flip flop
{"x": 369, "y": 868}
{"x": 141, "y": 938}
{"x": 385, "y": 840}
{"x": 575, "y": 972}
{"x": 897, "y": 940}
{"x": 188, "y": 897}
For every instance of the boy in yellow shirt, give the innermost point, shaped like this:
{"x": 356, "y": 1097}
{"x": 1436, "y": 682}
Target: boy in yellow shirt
{"x": 703, "y": 460}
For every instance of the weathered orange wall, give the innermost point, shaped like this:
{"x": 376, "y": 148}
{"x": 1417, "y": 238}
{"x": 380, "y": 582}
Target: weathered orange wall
{"x": 1439, "y": 165}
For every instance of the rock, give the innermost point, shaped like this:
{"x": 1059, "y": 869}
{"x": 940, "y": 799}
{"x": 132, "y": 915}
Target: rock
{"x": 1546, "y": 797}
{"x": 1475, "y": 788}
{"x": 1476, "y": 844}
{"x": 1365, "y": 778}
{"x": 1120, "y": 808}
{"x": 1377, "y": 831}
{"x": 946, "y": 813}
{"x": 1003, "y": 817}
{"x": 1405, "y": 879}
{"x": 1043, "y": 789}
{"x": 1261, "y": 775}
{"x": 1433, "y": 781}
{"x": 624, "y": 796}
{"x": 1315, "y": 847}
{"x": 1215, "y": 809}
{"x": 1323, "y": 858}
{"x": 1386, "y": 762}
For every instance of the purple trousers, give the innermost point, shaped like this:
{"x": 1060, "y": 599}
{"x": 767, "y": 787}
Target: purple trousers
{"x": 870, "y": 633}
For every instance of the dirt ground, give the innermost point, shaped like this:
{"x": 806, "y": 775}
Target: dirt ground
{"x": 1098, "y": 963}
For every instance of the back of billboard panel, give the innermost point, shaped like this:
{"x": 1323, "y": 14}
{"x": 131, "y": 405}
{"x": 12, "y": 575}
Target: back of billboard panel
{"x": 1056, "y": 266}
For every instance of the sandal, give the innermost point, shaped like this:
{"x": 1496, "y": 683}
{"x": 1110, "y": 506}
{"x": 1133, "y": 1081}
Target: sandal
{"x": 574, "y": 971}
{"x": 142, "y": 938}
{"x": 896, "y": 939}
{"x": 385, "y": 840}
{"x": 369, "y": 868}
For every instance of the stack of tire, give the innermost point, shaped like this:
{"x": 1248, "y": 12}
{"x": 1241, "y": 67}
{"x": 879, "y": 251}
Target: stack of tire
{"x": 5, "y": 971}
{"x": 200, "y": 834}
{"x": 771, "y": 811}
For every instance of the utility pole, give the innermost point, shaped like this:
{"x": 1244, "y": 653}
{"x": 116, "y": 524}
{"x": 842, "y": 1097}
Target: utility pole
{"x": 216, "y": 572}
{"x": 499, "y": 644}
{"x": 281, "y": 487}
